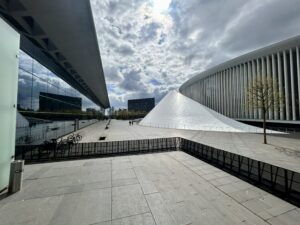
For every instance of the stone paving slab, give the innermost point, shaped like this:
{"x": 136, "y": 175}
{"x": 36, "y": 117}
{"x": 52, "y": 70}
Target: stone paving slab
{"x": 152, "y": 189}
{"x": 282, "y": 150}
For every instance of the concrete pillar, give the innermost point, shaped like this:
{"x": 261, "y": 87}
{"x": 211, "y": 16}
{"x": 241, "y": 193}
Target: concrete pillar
{"x": 232, "y": 92}
{"x": 298, "y": 73}
{"x": 259, "y": 77}
{"x": 250, "y": 83}
{"x": 234, "y": 89}
{"x": 254, "y": 80}
{"x": 280, "y": 87}
{"x": 292, "y": 85}
{"x": 208, "y": 92}
{"x": 228, "y": 92}
{"x": 237, "y": 86}
{"x": 218, "y": 90}
{"x": 202, "y": 92}
{"x": 242, "y": 90}
{"x": 270, "y": 84}
{"x": 223, "y": 93}
{"x": 245, "y": 107}
{"x": 227, "y": 97}
{"x": 286, "y": 87}
{"x": 215, "y": 92}
{"x": 264, "y": 76}
{"x": 211, "y": 79}
{"x": 275, "y": 87}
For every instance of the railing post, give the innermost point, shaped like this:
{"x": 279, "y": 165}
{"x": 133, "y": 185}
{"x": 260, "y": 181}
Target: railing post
{"x": 259, "y": 171}
{"x": 286, "y": 182}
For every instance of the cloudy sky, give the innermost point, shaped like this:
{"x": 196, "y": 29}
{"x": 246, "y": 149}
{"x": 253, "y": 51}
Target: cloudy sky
{"x": 149, "y": 47}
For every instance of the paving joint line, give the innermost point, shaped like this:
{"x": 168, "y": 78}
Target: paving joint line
{"x": 221, "y": 190}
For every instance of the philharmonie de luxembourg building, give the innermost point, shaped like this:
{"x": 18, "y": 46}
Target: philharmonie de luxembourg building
{"x": 223, "y": 88}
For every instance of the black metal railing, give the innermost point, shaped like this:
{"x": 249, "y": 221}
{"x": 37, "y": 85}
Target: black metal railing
{"x": 282, "y": 182}
{"x": 56, "y": 151}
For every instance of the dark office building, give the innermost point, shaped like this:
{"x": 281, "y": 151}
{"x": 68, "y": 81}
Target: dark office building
{"x": 141, "y": 105}
{"x": 59, "y": 103}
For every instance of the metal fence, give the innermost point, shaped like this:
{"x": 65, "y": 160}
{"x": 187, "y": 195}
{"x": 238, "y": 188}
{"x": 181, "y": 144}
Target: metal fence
{"x": 279, "y": 181}
{"x": 282, "y": 182}
{"x": 55, "y": 151}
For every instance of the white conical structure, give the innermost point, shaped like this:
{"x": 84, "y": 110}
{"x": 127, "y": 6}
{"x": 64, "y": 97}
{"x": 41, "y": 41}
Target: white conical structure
{"x": 180, "y": 112}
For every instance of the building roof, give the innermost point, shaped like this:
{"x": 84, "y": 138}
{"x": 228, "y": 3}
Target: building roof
{"x": 61, "y": 35}
{"x": 180, "y": 112}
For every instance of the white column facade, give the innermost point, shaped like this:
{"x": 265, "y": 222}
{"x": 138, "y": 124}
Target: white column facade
{"x": 225, "y": 89}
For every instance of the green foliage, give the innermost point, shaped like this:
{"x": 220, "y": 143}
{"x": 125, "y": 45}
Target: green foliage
{"x": 124, "y": 114}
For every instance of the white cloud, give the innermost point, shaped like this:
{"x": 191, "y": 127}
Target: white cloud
{"x": 149, "y": 47}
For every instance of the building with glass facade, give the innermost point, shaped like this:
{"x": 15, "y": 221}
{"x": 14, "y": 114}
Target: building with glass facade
{"x": 223, "y": 88}
{"x": 141, "y": 105}
{"x": 47, "y": 48}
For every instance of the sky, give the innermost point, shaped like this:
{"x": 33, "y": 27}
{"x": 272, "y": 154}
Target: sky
{"x": 149, "y": 47}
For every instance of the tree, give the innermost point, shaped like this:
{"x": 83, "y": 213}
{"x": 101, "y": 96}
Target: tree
{"x": 263, "y": 94}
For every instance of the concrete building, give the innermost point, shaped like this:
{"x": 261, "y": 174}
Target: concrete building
{"x": 223, "y": 87}
{"x": 141, "y": 105}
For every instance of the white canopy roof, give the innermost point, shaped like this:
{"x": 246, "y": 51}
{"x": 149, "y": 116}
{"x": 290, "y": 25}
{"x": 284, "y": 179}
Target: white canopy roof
{"x": 180, "y": 112}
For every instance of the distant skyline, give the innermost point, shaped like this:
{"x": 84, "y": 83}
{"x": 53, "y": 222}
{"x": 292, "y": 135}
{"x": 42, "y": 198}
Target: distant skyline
{"x": 150, "y": 47}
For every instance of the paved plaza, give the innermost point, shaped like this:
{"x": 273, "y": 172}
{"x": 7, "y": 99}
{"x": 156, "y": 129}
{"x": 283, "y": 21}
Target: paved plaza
{"x": 171, "y": 188}
{"x": 282, "y": 150}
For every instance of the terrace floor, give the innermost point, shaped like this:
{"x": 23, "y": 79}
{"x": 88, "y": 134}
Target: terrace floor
{"x": 281, "y": 150}
{"x": 171, "y": 188}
